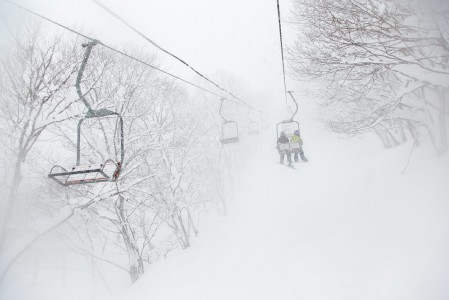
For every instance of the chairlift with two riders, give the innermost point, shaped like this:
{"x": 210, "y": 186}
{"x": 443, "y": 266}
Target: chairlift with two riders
{"x": 289, "y": 126}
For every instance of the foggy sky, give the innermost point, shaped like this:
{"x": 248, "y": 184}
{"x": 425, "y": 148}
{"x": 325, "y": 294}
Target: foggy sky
{"x": 238, "y": 37}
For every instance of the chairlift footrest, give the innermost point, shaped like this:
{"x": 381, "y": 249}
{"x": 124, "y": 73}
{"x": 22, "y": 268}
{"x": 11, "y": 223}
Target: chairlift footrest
{"x": 230, "y": 140}
{"x": 108, "y": 171}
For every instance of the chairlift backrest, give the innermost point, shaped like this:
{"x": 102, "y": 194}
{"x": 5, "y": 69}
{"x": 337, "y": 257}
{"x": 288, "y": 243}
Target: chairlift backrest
{"x": 99, "y": 114}
{"x": 288, "y": 127}
{"x": 229, "y": 132}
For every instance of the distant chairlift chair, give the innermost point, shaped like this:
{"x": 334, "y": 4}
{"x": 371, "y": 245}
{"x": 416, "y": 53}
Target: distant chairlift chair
{"x": 253, "y": 127}
{"x": 229, "y": 130}
{"x": 108, "y": 170}
{"x": 264, "y": 124}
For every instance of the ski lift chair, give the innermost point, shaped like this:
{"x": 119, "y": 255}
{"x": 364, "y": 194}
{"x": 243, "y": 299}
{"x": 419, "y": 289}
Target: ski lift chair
{"x": 229, "y": 132}
{"x": 229, "y": 129}
{"x": 108, "y": 170}
{"x": 289, "y": 127}
{"x": 253, "y": 127}
{"x": 264, "y": 124}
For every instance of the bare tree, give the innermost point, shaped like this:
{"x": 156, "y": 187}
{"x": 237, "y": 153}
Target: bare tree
{"x": 375, "y": 58}
{"x": 35, "y": 82}
{"x": 170, "y": 143}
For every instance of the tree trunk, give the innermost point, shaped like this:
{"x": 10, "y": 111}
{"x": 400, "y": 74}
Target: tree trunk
{"x": 442, "y": 123}
{"x": 12, "y": 198}
{"x": 184, "y": 231}
{"x": 136, "y": 266}
{"x": 136, "y": 269}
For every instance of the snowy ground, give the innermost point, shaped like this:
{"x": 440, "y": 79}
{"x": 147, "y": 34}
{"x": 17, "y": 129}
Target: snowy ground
{"x": 347, "y": 225}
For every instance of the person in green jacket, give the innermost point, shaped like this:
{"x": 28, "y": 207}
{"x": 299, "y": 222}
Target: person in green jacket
{"x": 296, "y": 138}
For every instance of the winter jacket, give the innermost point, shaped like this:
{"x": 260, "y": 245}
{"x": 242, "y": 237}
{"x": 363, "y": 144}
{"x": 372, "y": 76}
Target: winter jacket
{"x": 283, "y": 140}
{"x": 296, "y": 139}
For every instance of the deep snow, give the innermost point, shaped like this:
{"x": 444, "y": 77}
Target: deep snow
{"x": 346, "y": 225}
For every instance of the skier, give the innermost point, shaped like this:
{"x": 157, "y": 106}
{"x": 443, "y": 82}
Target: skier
{"x": 283, "y": 139}
{"x": 296, "y": 138}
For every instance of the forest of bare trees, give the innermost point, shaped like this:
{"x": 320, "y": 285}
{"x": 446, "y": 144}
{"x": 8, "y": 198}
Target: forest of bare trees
{"x": 173, "y": 170}
{"x": 380, "y": 66}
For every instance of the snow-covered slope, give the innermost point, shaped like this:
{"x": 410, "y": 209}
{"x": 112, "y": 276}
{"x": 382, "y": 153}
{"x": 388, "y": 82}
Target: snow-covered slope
{"x": 346, "y": 225}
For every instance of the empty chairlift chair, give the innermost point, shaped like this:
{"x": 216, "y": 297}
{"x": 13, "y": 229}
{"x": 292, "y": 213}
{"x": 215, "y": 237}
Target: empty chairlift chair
{"x": 264, "y": 124}
{"x": 253, "y": 127}
{"x": 107, "y": 170}
{"x": 229, "y": 129}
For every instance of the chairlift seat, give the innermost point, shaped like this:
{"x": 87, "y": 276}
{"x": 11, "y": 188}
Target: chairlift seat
{"x": 229, "y": 140}
{"x": 107, "y": 171}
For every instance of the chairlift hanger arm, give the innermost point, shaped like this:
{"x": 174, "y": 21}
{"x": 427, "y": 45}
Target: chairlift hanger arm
{"x": 296, "y": 104}
{"x": 88, "y": 47}
{"x": 219, "y": 112}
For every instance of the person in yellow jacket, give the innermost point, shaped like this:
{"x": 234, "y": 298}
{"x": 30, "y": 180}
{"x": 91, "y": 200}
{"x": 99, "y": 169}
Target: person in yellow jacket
{"x": 296, "y": 138}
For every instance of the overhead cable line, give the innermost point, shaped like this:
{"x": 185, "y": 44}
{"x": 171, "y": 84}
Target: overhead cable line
{"x": 124, "y": 54}
{"x": 169, "y": 53}
{"x": 282, "y": 51}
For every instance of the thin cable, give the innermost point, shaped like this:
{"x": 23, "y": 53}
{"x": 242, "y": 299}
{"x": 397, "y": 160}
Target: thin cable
{"x": 47, "y": 19}
{"x": 120, "y": 52}
{"x": 282, "y": 51}
{"x": 169, "y": 74}
{"x": 167, "y": 52}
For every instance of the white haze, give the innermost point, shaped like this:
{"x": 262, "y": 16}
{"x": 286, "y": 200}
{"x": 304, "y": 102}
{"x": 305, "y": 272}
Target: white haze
{"x": 357, "y": 222}
{"x": 236, "y": 37}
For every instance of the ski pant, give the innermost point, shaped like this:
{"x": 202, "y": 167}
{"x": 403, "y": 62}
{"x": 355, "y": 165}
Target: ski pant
{"x": 289, "y": 157}
{"x": 301, "y": 154}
